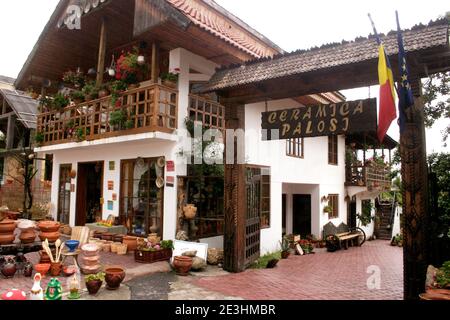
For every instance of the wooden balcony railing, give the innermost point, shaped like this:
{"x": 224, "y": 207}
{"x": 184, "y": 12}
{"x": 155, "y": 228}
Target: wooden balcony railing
{"x": 372, "y": 176}
{"x": 209, "y": 112}
{"x": 151, "y": 108}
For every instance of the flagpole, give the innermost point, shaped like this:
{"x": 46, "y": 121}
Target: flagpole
{"x": 374, "y": 29}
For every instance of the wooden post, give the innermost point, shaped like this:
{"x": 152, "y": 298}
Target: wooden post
{"x": 415, "y": 195}
{"x": 101, "y": 54}
{"x": 155, "y": 64}
{"x": 4, "y": 106}
{"x": 10, "y": 132}
{"x": 235, "y": 199}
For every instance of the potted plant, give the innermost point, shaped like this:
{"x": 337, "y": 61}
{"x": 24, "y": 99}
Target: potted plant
{"x": 74, "y": 78}
{"x": 79, "y": 134}
{"x": 60, "y": 101}
{"x": 94, "y": 282}
{"x": 327, "y": 209}
{"x": 116, "y": 88}
{"x": 285, "y": 245}
{"x": 117, "y": 119}
{"x": 129, "y": 67}
{"x": 90, "y": 92}
{"x": 104, "y": 90}
{"x": 77, "y": 96}
{"x": 39, "y": 138}
{"x": 170, "y": 79}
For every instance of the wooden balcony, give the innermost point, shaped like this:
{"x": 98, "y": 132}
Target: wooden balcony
{"x": 152, "y": 108}
{"x": 373, "y": 176}
{"x": 209, "y": 112}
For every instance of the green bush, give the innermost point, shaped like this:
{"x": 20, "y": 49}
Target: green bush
{"x": 60, "y": 101}
{"x": 261, "y": 263}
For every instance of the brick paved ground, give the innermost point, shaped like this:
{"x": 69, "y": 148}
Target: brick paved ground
{"x": 325, "y": 276}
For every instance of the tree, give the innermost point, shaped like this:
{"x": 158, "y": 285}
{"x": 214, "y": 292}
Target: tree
{"x": 437, "y": 104}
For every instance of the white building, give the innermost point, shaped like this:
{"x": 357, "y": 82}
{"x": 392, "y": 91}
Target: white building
{"x": 114, "y": 172}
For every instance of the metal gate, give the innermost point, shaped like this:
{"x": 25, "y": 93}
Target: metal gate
{"x": 252, "y": 219}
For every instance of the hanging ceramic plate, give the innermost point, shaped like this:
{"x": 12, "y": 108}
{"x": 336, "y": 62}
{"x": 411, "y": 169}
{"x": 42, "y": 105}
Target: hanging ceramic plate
{"x": 160, "y": 182}
{"x": 161, "y": 162}
{"x": 140, "y": 162}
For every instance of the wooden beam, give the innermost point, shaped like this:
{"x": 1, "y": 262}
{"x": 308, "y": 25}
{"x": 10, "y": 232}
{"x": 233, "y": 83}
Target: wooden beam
{"x": 101, "y": 53}
{"x": 155, "y": 62}
{"x": 415, "y": 194}
{"x": 235, "y": 198}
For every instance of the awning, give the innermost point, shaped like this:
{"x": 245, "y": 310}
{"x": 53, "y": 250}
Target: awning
{"x": 24, "y": 106}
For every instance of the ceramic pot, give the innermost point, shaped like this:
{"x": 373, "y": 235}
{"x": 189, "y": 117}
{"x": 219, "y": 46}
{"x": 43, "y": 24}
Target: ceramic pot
{"x": 49, "y": 226}
{"x": 189, "y": 211}
{"x": 55, "y": 269}
{"x": 284, "y": 254}
{"x": 51, "y": 236}
{"x": 9, "y": 268}
{"x": 42, "y": 268}
{"x": 27, "y": 236}
{"x": 93, "y": 286}
{"x": 7, "y": 226}
{"x": 90, "y": 249}
{"x": 131, "y": 242}
{"x": 114, "y": 277}
{"x": 182, "y": 265}
{"x": 7, "y": 238}
{"x": 44, "y": 257}
{"x": 28, "y": 269}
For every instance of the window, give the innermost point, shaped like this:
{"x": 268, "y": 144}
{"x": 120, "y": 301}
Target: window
{"x": 258, "y": 194}
{"x": 333, "y": 149}
{"x": 206, "y": 193}
{"x": 141, "y": 196}
{"x": 210, "y": 113}
{"x": 333, "y": 202}
{"x": 294, "y": 147}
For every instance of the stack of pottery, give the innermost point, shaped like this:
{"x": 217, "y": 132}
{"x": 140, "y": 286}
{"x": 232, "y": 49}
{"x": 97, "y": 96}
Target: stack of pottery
{"x": 7, "y": 227}
{"x": 27, "y": 234}
{"x": 49, "y": 230}
{"x": 91, "y": 258}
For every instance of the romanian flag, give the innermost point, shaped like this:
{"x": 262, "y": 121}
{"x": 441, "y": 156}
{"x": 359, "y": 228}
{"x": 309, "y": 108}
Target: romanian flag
{"x": 387, "y": 112}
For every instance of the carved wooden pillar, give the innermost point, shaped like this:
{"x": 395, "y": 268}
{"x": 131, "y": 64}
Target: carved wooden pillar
{"x": 235, "y": 197}
{"x": 415, "y": 195}
{"x": 101, "y": 53}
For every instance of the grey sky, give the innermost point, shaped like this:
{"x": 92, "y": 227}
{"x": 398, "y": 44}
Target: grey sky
{"x": 292, "y": 24}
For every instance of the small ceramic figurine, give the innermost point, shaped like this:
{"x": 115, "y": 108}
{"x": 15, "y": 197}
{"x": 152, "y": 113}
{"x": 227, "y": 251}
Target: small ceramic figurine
{"x": 36, "y": 291}
{"x": 54, "y": 290}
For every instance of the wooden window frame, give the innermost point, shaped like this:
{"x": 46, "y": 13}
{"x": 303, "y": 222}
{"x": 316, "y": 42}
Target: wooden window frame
{"x": 295, "y": 147}
{"x": 333, "y": 143}
{"x": 333, "y": 202}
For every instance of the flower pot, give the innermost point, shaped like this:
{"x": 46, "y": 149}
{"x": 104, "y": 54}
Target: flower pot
{"x": 55, "y": 269}
{"x": 182, "y": 265}
{"x": 131, "y": 242}
{"x": 50, "y": 236}
{"x": 94, "y": 286}
{"x": 189, "y": 211}
{"x": 7, "y": 226}
{"x": 114, "y": 277}
{"x": 285, "y": 254}
{"x": 170, "y": 84}
{"x": 7, "y": 238}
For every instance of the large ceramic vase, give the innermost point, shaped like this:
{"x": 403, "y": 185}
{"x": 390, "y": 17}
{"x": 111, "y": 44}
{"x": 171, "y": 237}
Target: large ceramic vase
{"x": 182, "y": 265}
{"x": 114, "y": 277}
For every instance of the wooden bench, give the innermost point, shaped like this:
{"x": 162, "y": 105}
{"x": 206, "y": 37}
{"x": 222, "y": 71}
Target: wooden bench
{"x": 343, "y": 235}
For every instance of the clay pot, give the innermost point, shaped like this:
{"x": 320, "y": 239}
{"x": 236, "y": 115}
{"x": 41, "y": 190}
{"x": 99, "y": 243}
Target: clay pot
{"x": 51, "y": 236}
{"x": 90, "y": 249}
{"x": 114, "y": 277}
{"x": 131, "y": 242}
{"x": 93, "y": 286}
{"x": 55, "y": 269}
{"x": 42, "y": 268}
{"x": 67, "y": 230}
{"x": 27, "y": 236}
{"x": 49, "y": 226}
{"x": 44, "y": 257}
{"x": 9, "y": 268}
{"x": 182, "y": 265}
{"x": 7, "y": 238}
{"x": 284, "y": 254}
{"x": 189, "y": 211}
{"x": 7, "y": 226}
{"x": 91, "y": 261}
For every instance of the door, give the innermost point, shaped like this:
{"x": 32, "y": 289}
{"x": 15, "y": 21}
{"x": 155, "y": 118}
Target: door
{"x": 253, "y": 215}
{"x": 301, "y": 214}
{"x": 351, "y": 216}
{"x": 81, "y": 195}
{"x": 283, "y": 212}
{"x": 64, "y": 193}
{"x": 89, "y": 192}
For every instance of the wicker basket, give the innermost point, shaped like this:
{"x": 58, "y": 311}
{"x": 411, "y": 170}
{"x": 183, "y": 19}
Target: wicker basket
{"x": 152, "y": 256}
{"x": 122, "y": 249}
{"x": 114, "y": 246}
{"x": 106, "y": 247}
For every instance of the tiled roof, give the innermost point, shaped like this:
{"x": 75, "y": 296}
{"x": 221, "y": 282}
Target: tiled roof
{"x": 225, "y": 26}
{"x": 363, "y": 49}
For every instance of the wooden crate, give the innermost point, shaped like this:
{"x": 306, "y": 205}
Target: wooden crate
{"x": 152, "y": 256}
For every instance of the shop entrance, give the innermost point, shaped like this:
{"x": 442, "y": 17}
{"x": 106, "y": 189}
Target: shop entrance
{"x": 89, "y": 192}
{"x": 301, "y": 214}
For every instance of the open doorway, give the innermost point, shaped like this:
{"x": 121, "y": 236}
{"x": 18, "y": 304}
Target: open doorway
{"x": 301, "y": 214}
{"x": 89, "y": 192}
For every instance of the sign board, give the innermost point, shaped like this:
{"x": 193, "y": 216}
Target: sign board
{"x": 170, "y": 166}
{"x": 183, "y": 246}
{"x": 170, "y": 181}
{"x": 322, "y": 120}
